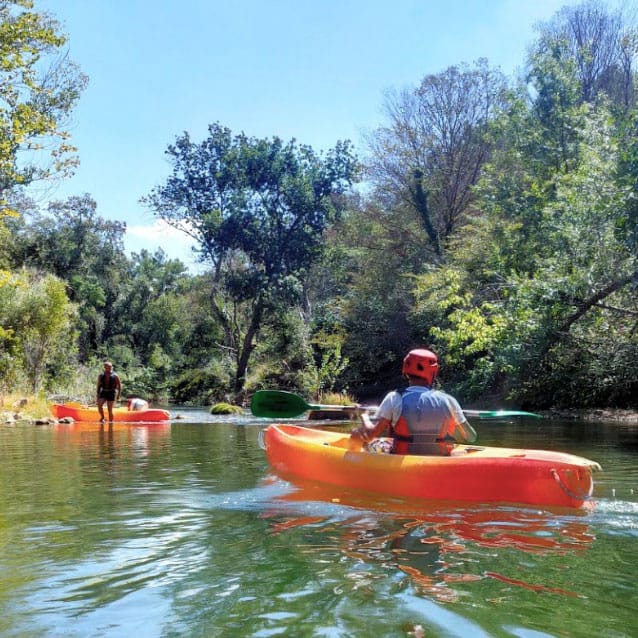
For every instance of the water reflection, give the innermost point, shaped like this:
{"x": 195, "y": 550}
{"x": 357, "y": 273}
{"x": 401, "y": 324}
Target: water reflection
{"x": 138, "y": 440}
{"x": 180, "y": 530}
{"x": 438, "y": 545}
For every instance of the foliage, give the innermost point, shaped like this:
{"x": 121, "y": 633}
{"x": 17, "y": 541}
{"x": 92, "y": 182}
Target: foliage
{"x": 336, "y": 398}
{"x": 331, "y": 361}
{"x": 39, "y": 86}
{"x": 225, "y": 408}
{"x": 74, "y": 243}
{"x": 599, "y": 44}
{"x": 518, "y": 324}
{"x": 258, "y": 209}
{"x": 284, "y": 357}
{"x": 429, "y": 156}
{"x": 36, "y": 320}
{"x": 201, "y": 385}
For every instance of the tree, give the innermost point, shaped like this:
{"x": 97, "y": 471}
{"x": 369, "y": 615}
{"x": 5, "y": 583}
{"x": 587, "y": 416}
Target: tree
{"x": 362, "y": 293}
{"x": 600, "y": 44}
{"x": 543, "y": 326}
{"x": 85, "y": 250}
{"x": 258, "y": 209}
{"x": 37, "y": 325}
{"x": 39, "y": 86}
{"x": 429, "y": 156}
{"x": 149, "y": 301}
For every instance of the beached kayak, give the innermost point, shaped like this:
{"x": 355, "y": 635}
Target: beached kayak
{"x": 471, "y": 472}
{"x": 79, "y": 412}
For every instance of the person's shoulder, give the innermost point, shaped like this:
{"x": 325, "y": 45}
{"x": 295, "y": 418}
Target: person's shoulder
{"x": 391, "y": 397}
{"x": 449, "y": 398}
{"x": 443, "y": 394}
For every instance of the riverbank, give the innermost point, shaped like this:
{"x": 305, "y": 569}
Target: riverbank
{"x": 14, "y": 408}
{"x": 24, "y": 408}
{"x": 599, "y": 414}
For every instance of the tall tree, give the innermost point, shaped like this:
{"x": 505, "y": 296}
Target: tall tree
{"x": 602, "y": 46}
{"x": 544, "y": 304}
{"x": 258, "y": 209}
{"x": 429, "y": 156}
{"x": 39, "y": 86}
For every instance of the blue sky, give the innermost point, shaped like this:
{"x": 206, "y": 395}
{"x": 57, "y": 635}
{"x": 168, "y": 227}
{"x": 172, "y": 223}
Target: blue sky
{"x": 314, "y": 70}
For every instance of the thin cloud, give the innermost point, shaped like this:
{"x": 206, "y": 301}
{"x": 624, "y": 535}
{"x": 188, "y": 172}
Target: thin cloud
{"x": 175, "y": 243}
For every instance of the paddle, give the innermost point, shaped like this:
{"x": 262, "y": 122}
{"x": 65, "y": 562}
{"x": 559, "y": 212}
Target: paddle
{"x": 277, "y": 404}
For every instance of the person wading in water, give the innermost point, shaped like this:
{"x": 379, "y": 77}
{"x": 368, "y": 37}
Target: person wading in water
{"x": 109, "y": 389}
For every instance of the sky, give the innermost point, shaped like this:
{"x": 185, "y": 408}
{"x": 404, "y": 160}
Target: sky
{"x": 313, "y": 70}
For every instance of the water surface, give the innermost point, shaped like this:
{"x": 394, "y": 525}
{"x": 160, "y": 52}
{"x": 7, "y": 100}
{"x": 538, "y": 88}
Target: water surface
{"x": 181, "y": 529}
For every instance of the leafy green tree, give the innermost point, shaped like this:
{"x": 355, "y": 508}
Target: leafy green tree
{"x": 284, "y": 356}
{"x": 373, "y": 258}
{"x": 39, "y": 87}
{"x": 87, "y": 251}
{"x": 543, "y": 331}
{"x": 38, "y": 324}
{"x": 543, "y": 305}
{"x": 151, "y": 304}
{"x": 258, "y": 209}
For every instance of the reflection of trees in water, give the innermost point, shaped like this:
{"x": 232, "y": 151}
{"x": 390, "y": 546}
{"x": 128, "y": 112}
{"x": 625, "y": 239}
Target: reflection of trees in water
{"x": 444, "y": 545}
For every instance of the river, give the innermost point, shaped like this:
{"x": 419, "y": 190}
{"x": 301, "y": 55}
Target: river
{"x": 181, "y": 529}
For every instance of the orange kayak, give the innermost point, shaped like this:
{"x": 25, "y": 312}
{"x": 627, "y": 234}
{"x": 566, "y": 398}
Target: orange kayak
{"x": 79, "y": 412}
{"x": 471, "y": 472}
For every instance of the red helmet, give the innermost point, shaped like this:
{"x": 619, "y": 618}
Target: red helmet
{"x": 421, "y": 363}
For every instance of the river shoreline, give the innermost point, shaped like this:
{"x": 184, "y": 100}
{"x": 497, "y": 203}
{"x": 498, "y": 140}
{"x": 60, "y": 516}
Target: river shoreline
{"x": 35, "y": 411}
{"x": 598, "y": 414}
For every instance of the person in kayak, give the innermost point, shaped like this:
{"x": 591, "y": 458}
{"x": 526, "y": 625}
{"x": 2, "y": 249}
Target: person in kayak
{"x": 109, "y": 389}
{"x": 420, "y": 419}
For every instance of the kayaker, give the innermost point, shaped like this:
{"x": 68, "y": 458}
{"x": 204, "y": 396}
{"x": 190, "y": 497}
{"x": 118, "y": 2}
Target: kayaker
{"x": 137, "y": 404}
{"x": 419, "y": 419}
{"x": 109, "y": 389}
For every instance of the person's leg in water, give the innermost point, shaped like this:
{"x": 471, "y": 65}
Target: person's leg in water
{"x": 100, "y": 408}
{"x": 109, "y": 405}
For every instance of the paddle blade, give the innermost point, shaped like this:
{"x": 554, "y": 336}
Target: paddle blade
{"x": 277, "y": 404}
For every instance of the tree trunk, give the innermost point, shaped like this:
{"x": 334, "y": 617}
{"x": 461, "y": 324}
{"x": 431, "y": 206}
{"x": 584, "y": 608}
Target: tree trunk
{"x": 247, "y": 347}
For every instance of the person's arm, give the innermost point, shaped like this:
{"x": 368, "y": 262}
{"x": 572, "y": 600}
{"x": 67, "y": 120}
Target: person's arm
{"x": 99, "y": 386}
{"x": 118, "y": 385}
{"x": 463, "y": 432}
{"x": 387, "y": 413}
{"x": 369, "y": 430}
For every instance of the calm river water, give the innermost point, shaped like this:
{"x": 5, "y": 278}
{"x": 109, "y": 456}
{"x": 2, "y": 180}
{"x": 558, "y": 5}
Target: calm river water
{"x": 182, "y": 530}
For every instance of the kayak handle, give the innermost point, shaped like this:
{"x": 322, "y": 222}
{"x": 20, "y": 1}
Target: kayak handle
{"x": 261, "y": 439}
{"x": 567, "y": 489}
